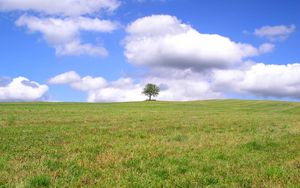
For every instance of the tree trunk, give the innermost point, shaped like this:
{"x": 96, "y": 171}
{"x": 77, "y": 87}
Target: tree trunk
{"x": 149, "y": 97}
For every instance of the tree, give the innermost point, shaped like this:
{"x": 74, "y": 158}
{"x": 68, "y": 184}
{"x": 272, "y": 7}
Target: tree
{"x": 151, "y": 90}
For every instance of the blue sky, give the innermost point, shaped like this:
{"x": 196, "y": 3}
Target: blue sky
{"x": 30, "y": 51}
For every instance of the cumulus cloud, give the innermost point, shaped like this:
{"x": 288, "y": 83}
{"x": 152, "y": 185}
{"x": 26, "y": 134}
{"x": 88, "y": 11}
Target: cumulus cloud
{"x": 75, "y": 48}
{"x": 279, "y": 81}
{"x": 188, "y": 65}
{"x": 180, "y": 86}
{"x": 121, "y": 90}
{"x": 198, "y": 66}
{"x": 274, "y": 33}
{"x": 22, "y": 89}
{"x": 64, "y": 33}
{"x": 65, "y": 78}
{"x": 60, "y": 7}
{"x": 99, "y": 89}
{"x": 61, "y": 21}
{"x": 256, "y": 79}
{"x": 191, "y": 87}
{"x": 266, "y": 48}
{"x": 185, "y": 89}
{"x": 87, "y": 83}
{"x": 163, "y": 40}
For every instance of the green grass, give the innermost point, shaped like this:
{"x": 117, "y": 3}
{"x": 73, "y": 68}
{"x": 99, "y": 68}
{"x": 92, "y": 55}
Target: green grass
{"x": 219, "y": 143}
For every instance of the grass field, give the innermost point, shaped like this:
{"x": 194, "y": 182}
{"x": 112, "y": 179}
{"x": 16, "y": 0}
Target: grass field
{"x": 223, "y": 143}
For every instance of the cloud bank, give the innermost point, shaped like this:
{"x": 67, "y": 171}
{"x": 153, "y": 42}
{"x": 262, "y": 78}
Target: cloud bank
{"x": 185, "y": 63}
{"x": 189, "y": 65}
{"x": 189, "y": 87}
{"x": 254, "y": 79}
{"x": 22, "y": 89}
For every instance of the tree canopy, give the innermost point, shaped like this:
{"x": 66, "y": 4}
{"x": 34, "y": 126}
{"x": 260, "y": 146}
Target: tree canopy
{"x": 151, "y": 90}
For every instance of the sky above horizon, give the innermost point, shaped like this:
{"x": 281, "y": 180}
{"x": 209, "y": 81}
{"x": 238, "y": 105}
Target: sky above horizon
{"x": 108, "y": 50}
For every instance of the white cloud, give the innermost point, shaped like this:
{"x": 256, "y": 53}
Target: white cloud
{"x": 89, "y": 83}
{"x": 163, "y": 40}
{"x": 99, "y": 89}
{"x": 65, "y": 78}
{"x": 121, "y": 90}
{"x": 274, "y": 33}
{"x": 188, "y": 65}
{"x": 180, "y": 85}
{"x": 22, "y": 89}
{"x": 266, "y": 48}
{"x": 172, "y": 89}
{"x": 64, "y": 33}
{"x": 75, "y": 48}
{"x": 279, "y": 81}
{"x": 60, "y": 7}
{"x": 191, "y": 87}
{"x": 256, "y": 79}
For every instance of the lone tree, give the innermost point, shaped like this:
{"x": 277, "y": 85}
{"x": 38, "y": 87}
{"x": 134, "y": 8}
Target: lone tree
{"x": 151, "y": 90}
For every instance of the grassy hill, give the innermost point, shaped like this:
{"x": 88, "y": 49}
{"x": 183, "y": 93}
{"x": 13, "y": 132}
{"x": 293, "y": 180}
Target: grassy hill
{"x": 228, "y": 143}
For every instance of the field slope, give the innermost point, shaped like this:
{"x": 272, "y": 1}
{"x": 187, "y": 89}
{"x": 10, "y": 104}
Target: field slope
{"x": 219, "y": 143}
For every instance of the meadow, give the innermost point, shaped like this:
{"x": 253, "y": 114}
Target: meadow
{"x": 217, "y": 143}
